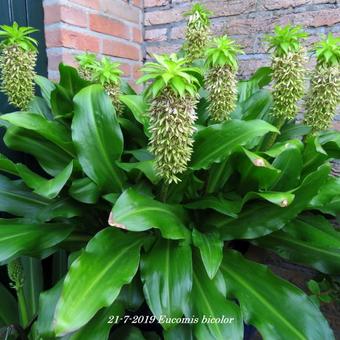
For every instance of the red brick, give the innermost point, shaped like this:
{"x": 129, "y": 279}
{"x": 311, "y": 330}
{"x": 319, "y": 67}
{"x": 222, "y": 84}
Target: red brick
{"x": 120, "y": 49}
{"x": 122, "y": 10}
{"x": 94, "y": 4}
{"x": 165, "y": 48}
{"x": 126, "y": 68}
{"x": 219, "y": 9}
{"x": 156, "y": 35}
{"x": 136, "y": 71}
{"x": 155, "y": 3}
{"x": 137, "y": 87}
{"x": 282, "y": 4}
{"x": 64, "y": 57}
{"x": 336, "y": 126}
{"x": 73, "y": 16}
{"x": 137, "y": 35}
{"x": 138, "y": 3}
{"x": 71, "y": 39}
{"x": 103, "y": 24}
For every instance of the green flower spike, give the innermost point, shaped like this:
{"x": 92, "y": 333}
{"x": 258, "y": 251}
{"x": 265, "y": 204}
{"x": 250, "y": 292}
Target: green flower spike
{"x": 197, "y": 32}
{"x": 108, "y": 74}
{"x": 324, "y": 92}
{"x": 87, "y": 62}
{"x": 288, "y": 61}
{"x": 16, "y": 274}
{"x": 221, "y": 81}
{"x": 17, "y": 63}
{"x": 172, "y": 113}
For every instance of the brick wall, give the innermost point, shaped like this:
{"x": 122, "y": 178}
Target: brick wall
{"x": 245, "y": 20}
{"x": 105, "y": 27}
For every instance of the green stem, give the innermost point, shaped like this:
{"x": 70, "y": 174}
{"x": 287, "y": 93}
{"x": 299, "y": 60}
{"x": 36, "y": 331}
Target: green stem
{"x": 22, "y": 307}
{"x": 271, "y": 137}
{"x": 164, "y": 192}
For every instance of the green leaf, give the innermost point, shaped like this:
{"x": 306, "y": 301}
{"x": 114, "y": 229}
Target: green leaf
{"x": 146, "y": 167}
{"x": 290, "y": 164}
{"x": 96, "y": 277}
{"x": 46, "y": 87}
{"x": 216, "y": 142}
{"x": 166, "y": 273}
{"x": 328, "y": 198}
{"x": 99, "y": 327}
{"x": 257, "y": 106}
{"x": 311, "y": 241}
{"x": 260, "y": 218}
{"x": 180, "y": 332}
{"x": 42, "y": 186}
{"x": 136, "y": 212}
{"x": 18, "y": 200}
{"x": 98, "y": 138}
{"x": 275, "y": 307}
{"x": 209, "y": 302}
{"x": 84, "y": 190}
{"x": 211, "y": 249}
{"x": 50, "y": 130}
{"x": 313, "y": 286}
{"x": 8, "y": 307}
{"x": 47, "y": 304}
{"x": 38, "y": 105}
{"x": 33, "y": 283}
{"x": 128, "y": 332}
{"x": 18, "y": 237}
{"x": 51, "y": 157}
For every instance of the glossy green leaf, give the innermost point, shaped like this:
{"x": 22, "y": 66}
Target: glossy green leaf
{"x": 290, "y": 164}
{"x": 211, "y": 249}
{"x": 47, "y": 304}
{"x": 180, "y": 332}
{"x": 209, "y": 302}
{"x": 38, "y": 105}
{"x": 146, "y": 167}
{"x": 98, "y": 138}
{"x": 293, "y": 130}
{"x": 311, "y": 241}
{"x": 257, "y": 106}
{"x": 46, "y": 87}
{"x": 216, "y": 142}
{"x": 96, "y": 277}
{"x": 33, "y": 284}
{"x": 138, "y": 106}
{"x": 128, "y": 332}
{"x": 330, "y": 141}
{"x": 8, "y": 307}
{"x": 50, "y": 130}
{"x": 261, "y": 219}
{"x": 166, "y": 273}
{"x": 328, "y": 198}
{"x": 18, "y": 200}
{"x": 18, "y": 237}
{"x": 42, "y": 186}
{"x": 51, "y": 157}
{"x": 275, "y": 307}
{"x": 84, "y": 190}
{"x": 136, "y": 212}
{"x": 99, "y": 326}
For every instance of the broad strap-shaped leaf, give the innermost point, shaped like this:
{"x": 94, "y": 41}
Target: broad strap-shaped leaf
{"x": 290, "y": 164}
{"x": 33, "y": 283}
{"x": 96, "y": 277}
{"x": 328, "y": 198}
{"x": 136, "y": 212}
{"x": 51, "y": 130}
{"x": 257, "y": 106}
{"x": 46, "y": 87}
{"x": 261, "y": 219}
{"x": 330, "y": 141}
{"x": 209, "y": 302}
{"x": 18, "y": 237}
{"x": 18, "y": 200}
{"x": 216, "y": 142}
{"x": 211, "y": 249}
{"x": 278, "y": 309}
{"x": 51, "y": 157}
{"x": 42, "y": 186}
{"x": 166, "y": 272}
{"x": 146, "y": 167}
{"x": 8, "y": 307}
{"x": 311, "y": 241}
{"x": 84, "y": 190}
{"x": 98, "y": 138}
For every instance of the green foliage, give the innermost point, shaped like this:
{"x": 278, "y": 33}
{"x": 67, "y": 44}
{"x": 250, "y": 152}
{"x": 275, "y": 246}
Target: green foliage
{"x": 170, "y": 71}
{"x": 87, "y": 61}
{"x": 328, "y": 51}
{"x": 286, "y": 40}
{"x": 136, "y": 212}
{"x": 18, "y": 36}
{"x": 221, "y": 52}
